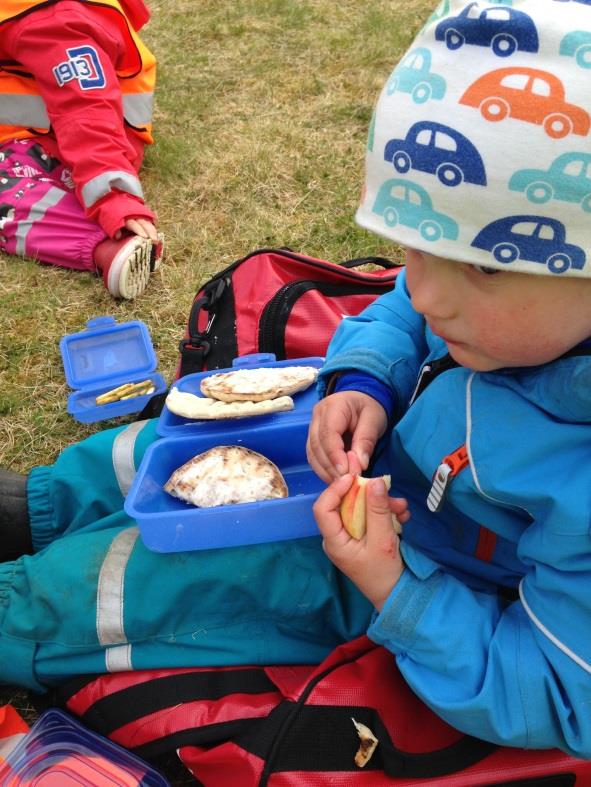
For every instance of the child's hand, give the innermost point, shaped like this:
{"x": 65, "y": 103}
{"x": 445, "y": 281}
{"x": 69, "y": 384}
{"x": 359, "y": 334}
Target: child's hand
{"x": 142, "y": 227}
{"x": 373, "y": 563}
{"x": 346, "y": 415}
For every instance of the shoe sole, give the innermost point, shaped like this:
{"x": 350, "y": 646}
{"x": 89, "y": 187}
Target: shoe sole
{"x": 157, "y": 253}
{"x": 129, "y": 277}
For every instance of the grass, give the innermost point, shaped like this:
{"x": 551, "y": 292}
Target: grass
{"x": 262, "y": 111}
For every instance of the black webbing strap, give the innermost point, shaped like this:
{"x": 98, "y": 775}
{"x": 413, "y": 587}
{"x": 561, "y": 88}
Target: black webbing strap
{"x": 323, "y": 738}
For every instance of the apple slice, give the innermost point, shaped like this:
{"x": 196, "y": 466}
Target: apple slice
{"x": 353, "y": 506}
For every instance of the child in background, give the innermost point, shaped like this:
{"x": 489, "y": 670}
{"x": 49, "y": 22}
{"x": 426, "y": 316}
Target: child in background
{"x": 469, "y": 384}
{"x": 77, "y": 87}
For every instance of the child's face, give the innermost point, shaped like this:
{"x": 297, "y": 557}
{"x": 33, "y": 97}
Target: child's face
{"x": 492, "y": 320}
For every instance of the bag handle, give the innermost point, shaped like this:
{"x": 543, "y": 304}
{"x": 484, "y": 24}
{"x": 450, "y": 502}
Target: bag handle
{"x": 383, "y": 262}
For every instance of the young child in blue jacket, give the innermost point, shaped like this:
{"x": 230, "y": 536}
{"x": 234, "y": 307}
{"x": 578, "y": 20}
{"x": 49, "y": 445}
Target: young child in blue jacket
{"x": 470, "y": 384}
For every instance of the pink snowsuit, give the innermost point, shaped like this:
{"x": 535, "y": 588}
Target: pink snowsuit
{"x": 40, "y": 216}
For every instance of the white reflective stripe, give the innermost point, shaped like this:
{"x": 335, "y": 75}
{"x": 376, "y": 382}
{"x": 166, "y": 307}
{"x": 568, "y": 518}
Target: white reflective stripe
{"x": 469, "y": 446}
{"x": 137, "y": 108}
{"x": 38, "y": 210}
{"x": 122, "y": 455}
{"x": 106, "y": 182}
{"x": 118, "y": 658}
{"x": 22, "y": 110}
{"x": 560, "y": 645}
{"x": 111, "y": 588}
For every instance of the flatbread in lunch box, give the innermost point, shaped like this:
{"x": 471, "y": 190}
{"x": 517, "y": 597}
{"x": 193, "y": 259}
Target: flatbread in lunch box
{"x": 188, "y": 405}
{"x": 255, "y": 385}
{"x": 224, "y": 475}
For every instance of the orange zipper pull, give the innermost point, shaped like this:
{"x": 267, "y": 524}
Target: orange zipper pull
{"x": 450, "y": 466}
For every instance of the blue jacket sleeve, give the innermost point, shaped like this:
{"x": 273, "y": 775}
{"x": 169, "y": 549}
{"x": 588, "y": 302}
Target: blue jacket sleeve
{"x": 365, "y": 383}
{"x": 386, "y": 341}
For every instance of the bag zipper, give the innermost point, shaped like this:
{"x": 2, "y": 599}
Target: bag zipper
{"x": 276, "y": 313}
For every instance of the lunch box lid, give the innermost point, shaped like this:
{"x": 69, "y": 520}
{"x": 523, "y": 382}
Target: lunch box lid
{"x": 103, "y": 356}
{"x": 106, "y": 351}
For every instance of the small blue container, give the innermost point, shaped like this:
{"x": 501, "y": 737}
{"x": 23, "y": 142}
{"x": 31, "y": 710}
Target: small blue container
{"x": 171, "y": 425}
{"x": 102, "y": 357}
{"x": 59, "y": 752}
{"x": 167, "y": 524}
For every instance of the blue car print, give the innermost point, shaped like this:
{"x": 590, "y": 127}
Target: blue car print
{"x": 578, "y": 45}
{"x": 502, "y": 28}
{"x": 568, "y": 179}
{"x": 533, "y": 238}
{"x": 413, "y": 75}
{"x": 402, "y": 202}
{"x": 437, "y": 149}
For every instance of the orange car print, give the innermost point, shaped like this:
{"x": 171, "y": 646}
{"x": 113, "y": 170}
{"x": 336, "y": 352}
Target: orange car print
{"x": 527, "y": 94}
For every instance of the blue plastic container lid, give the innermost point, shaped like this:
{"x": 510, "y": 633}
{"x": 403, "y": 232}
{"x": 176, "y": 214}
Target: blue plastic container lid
{"x": 59, "y": 752}
{"x": 102, "y": 357}
{"x": 107, "y": 351}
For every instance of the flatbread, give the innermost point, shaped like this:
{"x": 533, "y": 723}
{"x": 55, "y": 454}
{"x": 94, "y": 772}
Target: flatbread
{"x": 225, "y": 475}
{"x": 188, "y": 405}
{"x": 254, "y": 385}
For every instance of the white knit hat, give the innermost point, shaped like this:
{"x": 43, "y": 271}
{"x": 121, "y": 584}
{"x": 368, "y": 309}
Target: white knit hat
{"x": 480, "y": 145}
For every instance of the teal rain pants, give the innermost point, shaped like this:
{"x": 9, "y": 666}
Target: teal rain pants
{"x": 93, "y": 599}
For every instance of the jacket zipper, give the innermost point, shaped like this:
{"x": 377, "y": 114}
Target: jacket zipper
{"x": 448, "y": 469}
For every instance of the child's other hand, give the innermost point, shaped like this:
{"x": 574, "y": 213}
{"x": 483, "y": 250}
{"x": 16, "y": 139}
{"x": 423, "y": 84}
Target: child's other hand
{"x": 373, "y": 563}
{"x": 348, "y": 415}
{"x": 142, "y": 227}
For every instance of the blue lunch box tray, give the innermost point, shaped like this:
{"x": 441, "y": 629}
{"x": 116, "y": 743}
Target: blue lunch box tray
{"x": 59, "y": 752}
{"x": 168, "y": 524}
{"x": 102, "y": 357}
{"x": 171, "y": 425}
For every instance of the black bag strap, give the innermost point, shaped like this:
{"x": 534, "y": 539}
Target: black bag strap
{"x": 293, "y": 736}
{"x": 168, "y": 693}
{"x": 382, "y": 262}
{"x": 296, "y": 727}
{"x": 195, "y": 348}
{"x": 323, "y": 738}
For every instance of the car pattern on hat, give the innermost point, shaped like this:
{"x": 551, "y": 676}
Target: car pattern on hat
{"x": 533, "y": 238}
{"x": 567, "y": 179}
{"x": 437, "y": 149}
{"x": 413, "y": 75}
{"x": 451, "y": 155}
{"x": 400, "y": 201}
{"x": 501, "y": 27}
{"x": 577, "y": 44}
{"x": 528, "y": 94}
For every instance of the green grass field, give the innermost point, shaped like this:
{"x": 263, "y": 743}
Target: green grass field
{"x": 262, "y": 110}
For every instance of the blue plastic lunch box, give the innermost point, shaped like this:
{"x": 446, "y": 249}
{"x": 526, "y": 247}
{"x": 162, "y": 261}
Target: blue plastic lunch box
{"x": 168, "y": 524}
{"x": 102, "y": 357}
